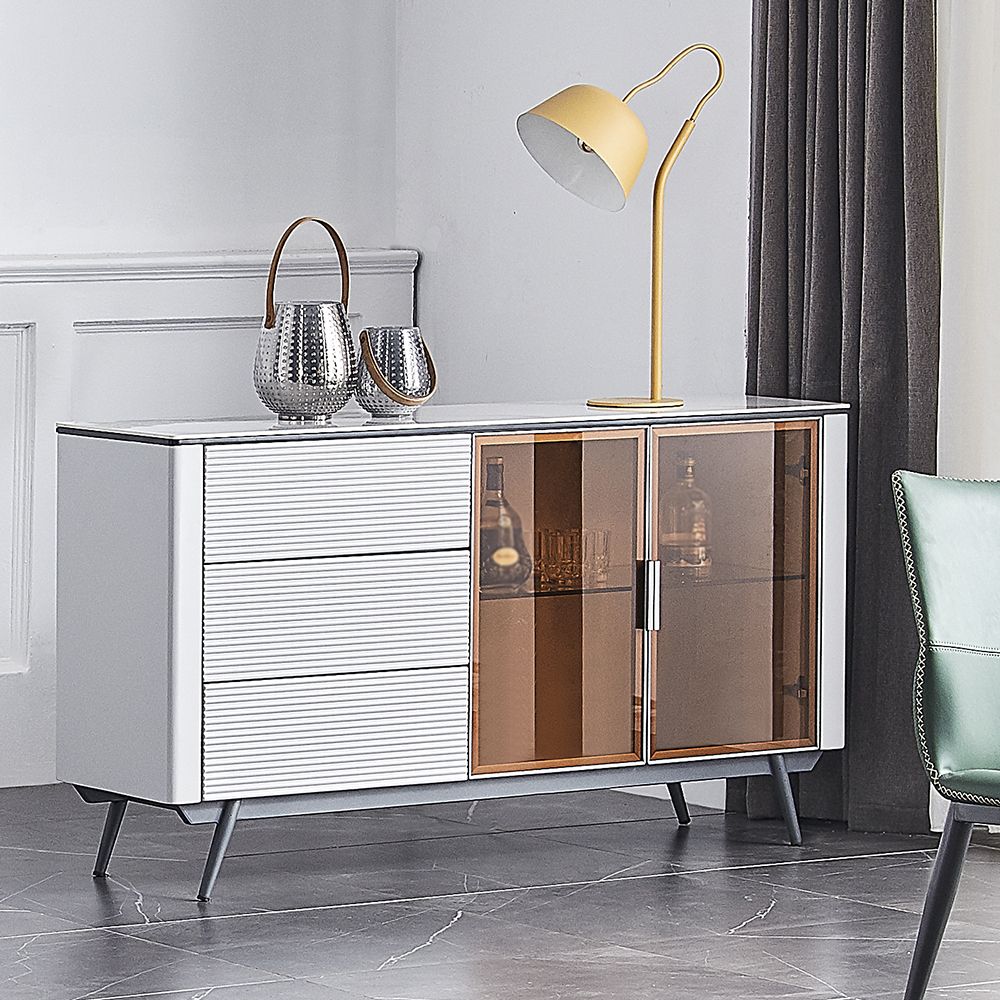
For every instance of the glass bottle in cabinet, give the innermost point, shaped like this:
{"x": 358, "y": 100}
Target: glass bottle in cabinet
{"x": 686, "y": 524}
{"x": 504, "y": 562}
{"x": 557, "y": 658}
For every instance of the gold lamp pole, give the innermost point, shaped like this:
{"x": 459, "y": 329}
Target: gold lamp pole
{"x": 593, "y": 144}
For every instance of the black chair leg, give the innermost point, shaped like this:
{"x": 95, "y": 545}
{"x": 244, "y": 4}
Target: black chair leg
{"x": 786, "y": 801}
{"x": 679, "y": 803}
{"x": 217, "y": 852}
{"x": 937, "y": 906}
{"x": 112, "y": 825}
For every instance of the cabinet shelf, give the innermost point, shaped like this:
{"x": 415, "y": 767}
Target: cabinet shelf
{"x": 508, "y": 595}
{"x": 620, "y": 581}
{"x": 722, "y": 575}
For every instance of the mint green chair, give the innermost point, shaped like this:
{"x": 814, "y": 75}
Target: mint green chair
{"x": 951, "y": 544}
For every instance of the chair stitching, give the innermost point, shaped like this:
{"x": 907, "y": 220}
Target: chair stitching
{"x": 918, "y": 676}
{"x": 962, "y": 648}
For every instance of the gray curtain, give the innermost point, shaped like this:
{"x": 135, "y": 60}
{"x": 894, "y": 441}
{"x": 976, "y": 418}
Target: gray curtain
{"x": 844, "y": 305}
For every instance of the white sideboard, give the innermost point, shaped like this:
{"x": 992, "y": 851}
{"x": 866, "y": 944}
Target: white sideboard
{"x": 259, "y": 619}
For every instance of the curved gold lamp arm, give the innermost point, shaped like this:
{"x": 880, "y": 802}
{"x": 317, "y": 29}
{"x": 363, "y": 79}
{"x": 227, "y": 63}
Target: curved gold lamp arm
{"x": 670, "y": 65}
{"x": 656, "y": 396}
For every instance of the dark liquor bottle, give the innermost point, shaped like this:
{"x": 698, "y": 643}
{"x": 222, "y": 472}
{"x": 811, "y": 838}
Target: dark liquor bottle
{"x": 504, "y": 562}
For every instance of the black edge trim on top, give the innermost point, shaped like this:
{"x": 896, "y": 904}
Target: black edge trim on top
{"x": 119, "y": 436}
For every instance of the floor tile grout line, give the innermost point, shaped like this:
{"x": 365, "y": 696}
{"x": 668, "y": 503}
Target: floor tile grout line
{"x": 118, "y": 982}
{"x": 27, "y": 888}
{"x": 126, "y": 928}
{"x": 533, "y": 832}
{"x": 50, "y": 909}
{"x": 804, "y": 972}
{"x": 659, "y": 958}
{"x": 934, "y": 990}
{"x": 119, "y": 932}
{"x": 826, "y": 895}
{"x": 528, "y": 830}
{"x": 337, "y": 992}
{"x": 777, "y": 935}
{"x": 185, "y": 991}
{"x": 277, "y": 977}
{"x": 89, "y": 854}
{"x": 458, "y": 824}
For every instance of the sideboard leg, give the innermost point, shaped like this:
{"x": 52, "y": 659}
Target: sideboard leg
{"x": 220, "y": 841}
{"x": 783, "y": 793}
{"x": 677, "y": 800}
{"x": 109, "y": 835}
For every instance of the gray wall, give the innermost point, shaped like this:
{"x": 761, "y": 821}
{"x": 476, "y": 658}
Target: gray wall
{"x": 525, "y": 291}
{"x": 186, "y": 125}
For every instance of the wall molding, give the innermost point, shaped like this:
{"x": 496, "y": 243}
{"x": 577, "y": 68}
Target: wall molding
{"x": 15, "y": 660}
{"x": 199, "y": 264}
{"x": 175, "y": 324}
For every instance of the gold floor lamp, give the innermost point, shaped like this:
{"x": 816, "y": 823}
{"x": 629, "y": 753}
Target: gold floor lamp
{"x": 593, "y": 144}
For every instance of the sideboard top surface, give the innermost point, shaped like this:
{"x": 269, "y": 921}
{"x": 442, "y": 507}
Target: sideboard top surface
{"x": 467, "y": 417}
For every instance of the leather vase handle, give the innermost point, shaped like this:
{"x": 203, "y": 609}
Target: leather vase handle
{"x": 384, "y": 385}
{"x": 345, "y": 270}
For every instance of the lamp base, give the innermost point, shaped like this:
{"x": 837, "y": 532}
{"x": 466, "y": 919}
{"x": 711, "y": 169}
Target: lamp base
{"x": 635, "y": 402}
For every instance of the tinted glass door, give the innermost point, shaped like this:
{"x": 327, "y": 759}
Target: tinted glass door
{"x": 735, "y": 530}
{"x": 557, "y": 657}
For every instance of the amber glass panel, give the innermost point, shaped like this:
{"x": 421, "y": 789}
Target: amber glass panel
{"x": 734, "y": 520}
{"x": 556, "y": 661}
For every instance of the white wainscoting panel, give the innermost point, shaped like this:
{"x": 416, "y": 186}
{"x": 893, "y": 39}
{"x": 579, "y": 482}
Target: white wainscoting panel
{"x": 278, "y": 737}
{"x": 125, "y": 337}
{"x": 17, "y": 446}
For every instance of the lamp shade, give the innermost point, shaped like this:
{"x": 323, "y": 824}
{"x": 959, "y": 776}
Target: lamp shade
{"x": 589, "y": 141}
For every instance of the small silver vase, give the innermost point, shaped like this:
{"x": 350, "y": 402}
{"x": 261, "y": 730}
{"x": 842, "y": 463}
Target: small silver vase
{"x": 306, "y": 368}
{"x": 397, "y": 372}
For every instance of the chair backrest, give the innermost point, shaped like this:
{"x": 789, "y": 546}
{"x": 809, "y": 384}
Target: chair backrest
{"x": 950, "y": 531}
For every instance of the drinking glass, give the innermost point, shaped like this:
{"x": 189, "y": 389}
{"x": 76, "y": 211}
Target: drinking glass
{"x": 566, "y": 558}
{"x": 596, "y": 556}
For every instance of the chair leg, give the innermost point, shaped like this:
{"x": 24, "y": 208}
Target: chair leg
{"x": 112, "y": 825}
{"x": 217, "y": 852}
{"x": 937, "y": 906}
{"x": 677, "y": 800}
{"x": 786, "y": 801}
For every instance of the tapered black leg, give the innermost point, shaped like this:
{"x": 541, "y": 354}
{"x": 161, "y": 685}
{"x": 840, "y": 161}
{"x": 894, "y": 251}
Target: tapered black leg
{"x": 937, "y": 906}
{"x": 217, "y": 852}
{"x": 786, "y": 801}
{"x": 678, "y": 802}
{"x": 112, "y": 824}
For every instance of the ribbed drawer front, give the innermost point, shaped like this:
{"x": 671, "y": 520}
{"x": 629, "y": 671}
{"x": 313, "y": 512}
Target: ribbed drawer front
{"x": 296, "y": 617}
{"x": 280, "y": 737}
{"x": 291, "y": 499}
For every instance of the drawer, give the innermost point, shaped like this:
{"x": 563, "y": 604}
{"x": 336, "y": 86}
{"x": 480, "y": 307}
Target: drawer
{"x": 295, "y": 617}
{"x": 284, "y": 500}
{"x": 313, "y": 734}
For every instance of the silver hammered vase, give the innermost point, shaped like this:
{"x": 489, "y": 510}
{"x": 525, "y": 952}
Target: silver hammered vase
{"x": 397, "y": 373}
{"x": 306, "y": 367}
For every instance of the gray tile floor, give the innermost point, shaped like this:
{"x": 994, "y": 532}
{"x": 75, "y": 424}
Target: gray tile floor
{"x": 591, "y": 895}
